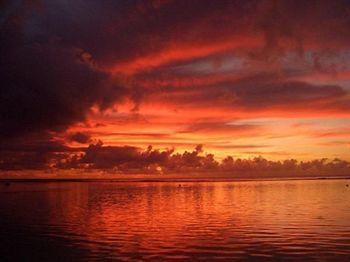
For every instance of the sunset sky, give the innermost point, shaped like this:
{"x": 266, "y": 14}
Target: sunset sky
{"x": 241, "y": 78}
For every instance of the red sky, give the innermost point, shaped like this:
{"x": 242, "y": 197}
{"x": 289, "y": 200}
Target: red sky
{"x": 241, "y": 78}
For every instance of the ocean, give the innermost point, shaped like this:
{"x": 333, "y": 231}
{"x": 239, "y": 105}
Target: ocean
{"x": 175, "y": 220}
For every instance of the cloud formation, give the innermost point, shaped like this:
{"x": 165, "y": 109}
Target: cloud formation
{"x": 79, "y": 137}
{"x": 166, "y": 73}
{"x": 48, "y": 82}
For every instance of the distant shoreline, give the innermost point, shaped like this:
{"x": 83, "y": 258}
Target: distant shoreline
{"x": 156, "y": 180}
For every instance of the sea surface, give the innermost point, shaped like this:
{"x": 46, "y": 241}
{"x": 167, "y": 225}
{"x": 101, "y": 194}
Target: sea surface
{"x": 185, "y": 221}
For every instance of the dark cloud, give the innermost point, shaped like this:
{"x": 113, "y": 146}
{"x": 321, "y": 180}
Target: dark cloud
{"x": 47, "y": 84}
{"x": 109, "y": 157}
{"x": 79, "y": 137}
{"x": 117, "y": 31}
{"x": 270, "y": 92}
{"x": 44, "y": 88}
{"x": 263, "y": 91}
{"x": 220, "y": 127}
{"x": 35, "y": 152}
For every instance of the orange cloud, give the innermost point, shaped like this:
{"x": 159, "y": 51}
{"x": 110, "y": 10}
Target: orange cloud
{"x": 178, "y": 52}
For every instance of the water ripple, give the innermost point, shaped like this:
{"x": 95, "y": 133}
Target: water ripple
{"x": 160, "y": 221}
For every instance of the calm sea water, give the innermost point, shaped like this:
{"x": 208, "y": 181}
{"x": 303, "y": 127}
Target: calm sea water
{"x": 159, "y": 221}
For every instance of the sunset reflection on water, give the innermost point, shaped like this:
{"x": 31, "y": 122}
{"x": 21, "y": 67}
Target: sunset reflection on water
{"x": 176, "y": 220}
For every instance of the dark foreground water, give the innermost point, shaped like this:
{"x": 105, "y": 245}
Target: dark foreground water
{"x": 159, "y": 221}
